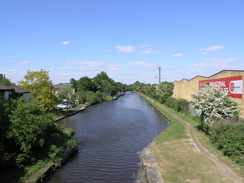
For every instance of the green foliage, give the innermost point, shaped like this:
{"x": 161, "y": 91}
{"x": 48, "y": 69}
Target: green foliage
{"x": 95, "y": 90}
{"x": 161, "y": 93}
{"x": 29, "y": 134}
{"x": 180, "y": 105}
{"x": 54, "y": 154}
{"x": 71, "y": 144}
{"x": 214, "y": 106}
{"x": 4, "y": 80}
{"x": 66, "y": 93}
{"x": 30, "y": 170}
{"x": 7, "y": 146}
{"x": 85, "y": 84}
{"x": 69, "y": 132}
{"x": 41, "y": 88}
{"x": 29, "y": 128}
{"x": 229, "y": 138}
{"x": 166, "y": 89}
{"x": 93, "y": 98}
{"x": 107, "y": 87}
{"x": 73, "y": 83}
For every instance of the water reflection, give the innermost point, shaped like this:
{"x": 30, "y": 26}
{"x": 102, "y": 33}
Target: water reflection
{"x": 110, "y": 135}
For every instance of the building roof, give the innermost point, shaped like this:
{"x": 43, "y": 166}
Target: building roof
{"x": 209, "y": 76}
{"x": 4, "y": 87}
{"x": 13, "y": 88}
{"x": 62, "y": 85}
{"x": 19, "y": 90}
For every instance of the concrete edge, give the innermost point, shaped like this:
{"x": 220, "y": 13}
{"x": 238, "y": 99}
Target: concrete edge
{"x": 150, "y": 171}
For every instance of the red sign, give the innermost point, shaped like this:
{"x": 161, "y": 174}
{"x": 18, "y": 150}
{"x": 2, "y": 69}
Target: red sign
{"x": 233, "y": 85}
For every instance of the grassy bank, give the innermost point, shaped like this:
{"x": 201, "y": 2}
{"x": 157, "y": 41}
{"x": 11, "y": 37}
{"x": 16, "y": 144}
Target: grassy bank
{"x": 178, "y": 158}
{"x": 62, "y": 113}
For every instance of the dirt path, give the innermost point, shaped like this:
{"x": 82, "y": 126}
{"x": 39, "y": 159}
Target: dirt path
{"x": 204, "y": 151}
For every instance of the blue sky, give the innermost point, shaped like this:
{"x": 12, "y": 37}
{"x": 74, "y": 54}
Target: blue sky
{"x": 128, "y": 39}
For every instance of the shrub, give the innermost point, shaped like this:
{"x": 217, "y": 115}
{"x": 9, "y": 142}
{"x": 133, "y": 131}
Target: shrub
{"x": 29, "y": 128}
{"x": 229, "y": 138}
{"x": 214, "y": 106}
{"x": 71, "y": 144}
{"x": 93, "y": 98}
{"x": 180, "y": 105}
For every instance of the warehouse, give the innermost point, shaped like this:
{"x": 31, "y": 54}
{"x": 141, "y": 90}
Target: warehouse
{"x": 229, "y": 80}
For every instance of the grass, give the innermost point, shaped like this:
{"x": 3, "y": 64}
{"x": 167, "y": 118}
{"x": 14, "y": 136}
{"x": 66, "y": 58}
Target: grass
{"x": 61, "y": 113}
{"x": 178, "y": 158}
{"x": 35, "y": 172}
{"x": 175, "y": 130}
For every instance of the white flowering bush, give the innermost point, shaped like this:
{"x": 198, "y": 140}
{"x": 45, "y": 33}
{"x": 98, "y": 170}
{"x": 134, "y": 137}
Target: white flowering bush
{"x": 214, "y": 106}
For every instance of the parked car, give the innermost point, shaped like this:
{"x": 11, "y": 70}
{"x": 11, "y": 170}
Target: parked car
{"x": 71, "y": 104}
{"x": 61, "y": 106}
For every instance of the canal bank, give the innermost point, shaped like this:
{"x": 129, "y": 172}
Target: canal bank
{"x": 186, "y": 155}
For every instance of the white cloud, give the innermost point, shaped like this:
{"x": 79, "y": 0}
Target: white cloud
{"x": 65, "y": 43}
{"x": 24, "y": 62}
{"x": 72, "y": 69}
{"x": 220, "y": 63}
{"x": 143, "y": 64}
{"x": 177, "y": 55}
{"x": 125, "y": 48}
{"x": 149, "y": 51}
{"x": 212, "y": 48}
{"x": 96, "y": 64}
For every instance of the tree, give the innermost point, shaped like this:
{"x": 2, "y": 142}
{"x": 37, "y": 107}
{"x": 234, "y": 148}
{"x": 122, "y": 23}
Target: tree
{"x": 166, "y": 88}
{"x": 4, "y": 80}
{"x": 214, "y": 106}
{"x": 73, "y": 83}
{"x": 66, "y": 93}
{"x": 99, "y": 78}
{"x": 107, "y": 87}
{"x": 29, "y": 128}
{"x": 85, "y": 84}
{"x": 41, "y": 88}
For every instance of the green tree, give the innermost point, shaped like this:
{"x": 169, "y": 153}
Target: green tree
{"x": 29, "y": 129}
{"x": 166, "y": 88}
{"x": 41, "y": 88}
{"x": 85, "y": 84}
{"x": 73, "y": 83}
{"x": 107, "y": 87}
{"x": 66, "y": 93}
{"x": 4, "y": 80}
{"x": 93, "y": 98}
{"x": 99, "y": 78}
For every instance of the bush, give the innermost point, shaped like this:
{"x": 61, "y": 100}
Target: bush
{"x": 214, "y": 106}
{"x": 180, "y": 105}
{"x": 29, "y": 128}
{"x": 229, "y": 138}
{"x": 93, "y": 98}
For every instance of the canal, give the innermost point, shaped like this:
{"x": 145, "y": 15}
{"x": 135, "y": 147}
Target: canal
{"x": 110, "y": 135}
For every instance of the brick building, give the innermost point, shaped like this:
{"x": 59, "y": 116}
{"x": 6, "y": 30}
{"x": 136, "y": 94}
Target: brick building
{"x": 229, "y": 80}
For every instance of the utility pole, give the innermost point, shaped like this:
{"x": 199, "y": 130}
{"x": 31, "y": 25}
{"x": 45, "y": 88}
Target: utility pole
{"x": 159, "y": 75}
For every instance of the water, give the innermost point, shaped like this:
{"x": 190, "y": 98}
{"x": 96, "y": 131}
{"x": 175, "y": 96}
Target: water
{"x": 110, "y": 135}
